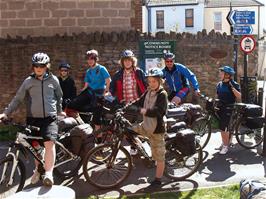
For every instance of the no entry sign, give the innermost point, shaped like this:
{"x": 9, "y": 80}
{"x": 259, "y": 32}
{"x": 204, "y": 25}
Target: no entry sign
{"x": 247, "y": 44}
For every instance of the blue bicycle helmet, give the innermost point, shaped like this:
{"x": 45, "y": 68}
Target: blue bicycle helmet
{"x": 227, "y": 69}
{"x": 155, "y": 72}
{"x": 64, "y": 64}
{"x": 169, "y": 55}
{"x": 127, "y": 53}
{"x": 40, "y": 59}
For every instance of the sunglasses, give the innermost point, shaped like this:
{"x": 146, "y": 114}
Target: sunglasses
{"x": 39, "y": 66}
{"x": 64, "y": 70}
{"x": 169, "y": 61}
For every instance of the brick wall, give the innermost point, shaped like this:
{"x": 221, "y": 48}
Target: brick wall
{"x": 50, "y": 17}
{"x": 191, "y": 50}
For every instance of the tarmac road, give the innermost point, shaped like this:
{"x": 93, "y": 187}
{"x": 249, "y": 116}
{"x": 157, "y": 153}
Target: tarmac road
{"x": 216, "y": 170}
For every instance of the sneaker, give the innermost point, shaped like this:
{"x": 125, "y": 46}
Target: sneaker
{"x": 133, "y": 151}
{"x": 48, "y": 180}
{"x": 156, "y": 182}
{"x": 35, "y": 177}
{"x": 220, "y": 147}
{"x": 224, "y": 150}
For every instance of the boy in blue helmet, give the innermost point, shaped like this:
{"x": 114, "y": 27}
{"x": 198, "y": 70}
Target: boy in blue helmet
{"x": 177, "y": 77}
{"x": 228, "y": 92}
{"x": 153, "y": 107}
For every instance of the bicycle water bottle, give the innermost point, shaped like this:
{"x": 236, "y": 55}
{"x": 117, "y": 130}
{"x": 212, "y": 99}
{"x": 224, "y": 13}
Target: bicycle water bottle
{"x": 38, "y": 148}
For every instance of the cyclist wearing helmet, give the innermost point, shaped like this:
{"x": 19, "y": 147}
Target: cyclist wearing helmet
{"x": 43, "y": 96}
{"x": 177, "y": 77}
{"x": 66, "y": 82}
{"x": 228, "y": 92}
{"x": 153, "y": 107}
{"x": 129, "y": 82}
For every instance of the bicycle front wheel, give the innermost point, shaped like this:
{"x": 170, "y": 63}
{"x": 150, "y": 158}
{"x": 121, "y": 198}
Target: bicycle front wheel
{"x": 106, "y": 167}
{"x": 10, "y": 184}
{"x": 202, "y": 129}
{"x": 248, "y": 138}
{"x": 180, "y": 167}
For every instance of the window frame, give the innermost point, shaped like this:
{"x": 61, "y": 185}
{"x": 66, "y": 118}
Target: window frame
{"x": 160, "y": 19}
{"x": 189, "y": 20}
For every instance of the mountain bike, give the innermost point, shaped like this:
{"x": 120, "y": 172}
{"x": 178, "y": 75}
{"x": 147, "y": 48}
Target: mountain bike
{"x": 246, "y": 125}
{"x": 108, "y": 165}
{"x": 12, "y": 168}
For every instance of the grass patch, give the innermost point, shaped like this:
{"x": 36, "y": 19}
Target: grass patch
{"x": 7, "y": 132}
{"x": 224, "y": 192}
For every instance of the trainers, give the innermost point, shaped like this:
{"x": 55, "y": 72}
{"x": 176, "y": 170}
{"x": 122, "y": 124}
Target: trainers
{"x": 133, "y": 151}
{"x": 220, "y": 147}
{"x": 156, "y": 182}
{"x": 224, "y": 150}
{"x": 48, "y": 180}
{"x": 35, "y": 177}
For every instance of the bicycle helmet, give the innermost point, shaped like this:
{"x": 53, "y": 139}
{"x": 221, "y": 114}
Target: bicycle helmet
{"x": 227, "y": 69}
{"x": 155, "y": 72}
{"x": 40, "y": 59}
{"x": 92, "y": 53}
{"x": 127, "y": 53}
{"x": 64, "y": 64}
{"x": 169, "y": 55}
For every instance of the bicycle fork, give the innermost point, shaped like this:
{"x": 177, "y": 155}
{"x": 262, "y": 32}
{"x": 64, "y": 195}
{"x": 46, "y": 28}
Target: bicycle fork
{"x": 15, "y": 163}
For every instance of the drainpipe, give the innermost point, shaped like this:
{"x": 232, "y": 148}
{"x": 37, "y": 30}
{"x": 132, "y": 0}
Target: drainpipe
{"x": 149, "y": 19}
{"x": 258, "y": 22}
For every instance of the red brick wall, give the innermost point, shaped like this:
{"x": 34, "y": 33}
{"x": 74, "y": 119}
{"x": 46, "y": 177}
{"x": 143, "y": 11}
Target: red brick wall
{"x": 50, "y": 17}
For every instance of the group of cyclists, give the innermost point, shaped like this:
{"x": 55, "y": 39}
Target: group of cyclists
{"x": 45, "y": 95}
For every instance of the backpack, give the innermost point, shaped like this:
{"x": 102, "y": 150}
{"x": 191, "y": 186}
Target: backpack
{"x": 185, "y": 142}
{"x": 250, "y": 189}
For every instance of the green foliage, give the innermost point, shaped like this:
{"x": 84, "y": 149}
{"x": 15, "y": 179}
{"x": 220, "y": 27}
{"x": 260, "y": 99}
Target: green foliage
{"x": 7, "y": 132}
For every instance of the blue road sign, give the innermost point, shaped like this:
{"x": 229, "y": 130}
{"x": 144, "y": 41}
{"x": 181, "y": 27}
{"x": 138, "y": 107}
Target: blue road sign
{"x": 242, "y": 30}
{"x": 241, "y": 17}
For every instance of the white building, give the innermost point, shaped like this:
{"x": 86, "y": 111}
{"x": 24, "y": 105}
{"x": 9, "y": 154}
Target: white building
{"x": 175, "y": 15}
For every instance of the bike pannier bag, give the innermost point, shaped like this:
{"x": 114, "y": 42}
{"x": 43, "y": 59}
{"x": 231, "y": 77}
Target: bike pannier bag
{"x": 178, "y": 113}
{"x": 185, "y": 142}
{"x": 67, "y": 124}
{"x": 251, "y": 189}
{"x": 79, "y": 134}
{"x": 255, "y": 122}
{"x": 253, "y": 110}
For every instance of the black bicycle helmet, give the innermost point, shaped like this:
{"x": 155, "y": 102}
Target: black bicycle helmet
{"x": 64, "y": 64}
{"x": 40, "y": 59}
{"x": 127, "y": 53}
{"x": 169, "y": 55}
{"x": 155, "y": 72}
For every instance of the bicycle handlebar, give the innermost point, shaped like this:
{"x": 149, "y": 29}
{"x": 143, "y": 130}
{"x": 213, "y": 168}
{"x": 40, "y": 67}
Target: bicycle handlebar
{"x": 29, "y": 128}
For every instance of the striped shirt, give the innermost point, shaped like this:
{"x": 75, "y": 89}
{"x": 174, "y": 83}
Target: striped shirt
{"x": 129, "y": 87}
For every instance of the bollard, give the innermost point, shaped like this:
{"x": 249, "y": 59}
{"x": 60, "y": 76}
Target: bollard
{"x": 260, "y": 96}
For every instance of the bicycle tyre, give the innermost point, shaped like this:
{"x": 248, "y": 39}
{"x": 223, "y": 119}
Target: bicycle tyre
{"x": 19, "y": 177}
{"x": 69, "y": 169}
{"x": 179, "y": 167}
{"x": 98, "y": 173}
{"x": 202, "y": 129}
{"x": 248, "y": 138}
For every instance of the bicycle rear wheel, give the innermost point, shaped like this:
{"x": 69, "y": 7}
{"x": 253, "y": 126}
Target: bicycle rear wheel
{"x": 248, "y": 138}
{"x": 19, "y": 177}
{"x": 71, "y": 166}
{"x": 106, "y": 167}
{"x": 180, "y": 167}
{"x": 202, "y": 129}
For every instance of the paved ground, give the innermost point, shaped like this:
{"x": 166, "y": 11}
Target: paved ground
{"x": 215, "y": 170}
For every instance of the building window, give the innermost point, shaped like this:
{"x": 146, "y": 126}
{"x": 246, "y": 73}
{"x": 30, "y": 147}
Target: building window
{"x": 218, "y": 21}
{"x": 189, "y": 17}
{"x": 160, "y": 19}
